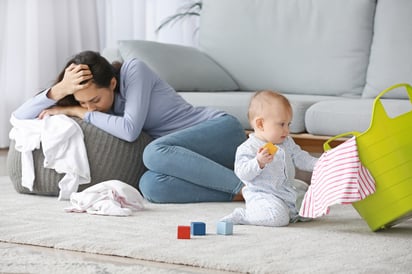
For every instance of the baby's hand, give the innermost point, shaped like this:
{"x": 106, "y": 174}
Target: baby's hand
{"x": 264, "y": 156}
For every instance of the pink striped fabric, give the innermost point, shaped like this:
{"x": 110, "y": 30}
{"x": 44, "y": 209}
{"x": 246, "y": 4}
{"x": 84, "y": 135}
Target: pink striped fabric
{"x": 338, "y": 178}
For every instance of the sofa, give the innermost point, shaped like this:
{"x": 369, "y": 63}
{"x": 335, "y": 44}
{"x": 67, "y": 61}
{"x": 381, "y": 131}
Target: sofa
{"x": 330, "y": 58}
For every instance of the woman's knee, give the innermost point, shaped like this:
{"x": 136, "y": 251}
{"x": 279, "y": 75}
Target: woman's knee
{"x": 148, "y": 157}
{"x": 154, "y": 156}
{"x": 238, "y": 132}
{"x": 149, "y": 188}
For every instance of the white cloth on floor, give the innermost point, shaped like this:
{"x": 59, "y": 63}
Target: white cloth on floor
{"x": 338, "y": 178}
{"x": 63, "y": 147}
{"x": 113, "y": 197}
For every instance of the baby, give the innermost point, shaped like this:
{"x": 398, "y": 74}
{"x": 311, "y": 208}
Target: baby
{"x": 272, "y": 194}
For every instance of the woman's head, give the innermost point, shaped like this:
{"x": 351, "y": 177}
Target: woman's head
{"x": 270, "y": 115}
{"x": 102, "y": 85}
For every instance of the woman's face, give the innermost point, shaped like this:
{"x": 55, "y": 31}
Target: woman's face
{"x": 93, "y": 98}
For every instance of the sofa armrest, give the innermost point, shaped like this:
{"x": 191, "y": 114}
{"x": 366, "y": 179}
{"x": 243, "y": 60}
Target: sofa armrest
{"x": 184, "y": 68}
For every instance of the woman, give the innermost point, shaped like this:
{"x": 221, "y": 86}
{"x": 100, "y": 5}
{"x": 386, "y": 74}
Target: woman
{"x": 192, "y": 156}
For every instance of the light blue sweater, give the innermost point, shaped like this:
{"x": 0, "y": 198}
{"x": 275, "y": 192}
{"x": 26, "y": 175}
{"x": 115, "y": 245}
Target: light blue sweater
{"x": 145, "y": 102}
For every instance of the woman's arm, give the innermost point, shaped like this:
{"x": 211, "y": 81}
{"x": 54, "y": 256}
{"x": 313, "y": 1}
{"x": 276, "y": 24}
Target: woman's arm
{"x": 76, "y": 77}
{"x": 34, "y": 106}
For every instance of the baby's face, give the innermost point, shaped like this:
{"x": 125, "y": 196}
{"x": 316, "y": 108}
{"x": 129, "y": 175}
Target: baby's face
{"x": 276, "y": 122}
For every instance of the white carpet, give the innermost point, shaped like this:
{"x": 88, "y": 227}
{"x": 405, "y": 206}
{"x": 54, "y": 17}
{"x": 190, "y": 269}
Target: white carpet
{"x": 338, "y": 243}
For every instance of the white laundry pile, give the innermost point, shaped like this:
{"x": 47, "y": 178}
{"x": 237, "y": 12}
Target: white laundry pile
{"x": 338, "y": 178}
{"x": 63, "y": 147}
{"x": 113, "y": 197}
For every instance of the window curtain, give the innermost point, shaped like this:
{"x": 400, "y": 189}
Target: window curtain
{"x": 39, "y": 36}
{"x": 138, "y": 19}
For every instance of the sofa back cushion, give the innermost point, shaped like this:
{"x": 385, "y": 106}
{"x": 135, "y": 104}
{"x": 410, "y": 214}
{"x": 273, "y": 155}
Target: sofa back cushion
{"x": 184, "y": 68}
{"x": 294, "y": 46}
{"x": 391, "y": 51}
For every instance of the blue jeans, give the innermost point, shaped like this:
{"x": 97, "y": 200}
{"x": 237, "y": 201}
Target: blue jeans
{"x": 194, "y": 164}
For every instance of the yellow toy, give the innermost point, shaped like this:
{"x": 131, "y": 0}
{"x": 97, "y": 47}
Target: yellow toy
{"x": 271, "y": 148}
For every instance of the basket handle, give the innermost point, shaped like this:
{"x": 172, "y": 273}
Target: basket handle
{"x": 326, "y": 145}
{"x": 378, "y": 110}
{"x": 407, "y": 86}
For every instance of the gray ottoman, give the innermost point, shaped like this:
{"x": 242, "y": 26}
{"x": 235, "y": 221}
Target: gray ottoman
{"x": 109, "y": 158}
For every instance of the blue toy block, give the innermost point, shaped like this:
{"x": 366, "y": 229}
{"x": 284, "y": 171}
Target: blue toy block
{"x": 198, "y": 228}
{"x": 224, "y": 228}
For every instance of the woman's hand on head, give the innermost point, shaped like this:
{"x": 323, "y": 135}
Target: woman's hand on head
{"x": 74, "y": 111}
{"x": 76, "y": 77}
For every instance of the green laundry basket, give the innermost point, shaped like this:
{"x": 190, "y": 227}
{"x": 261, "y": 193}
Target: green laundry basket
{"x": 385, "y": 149}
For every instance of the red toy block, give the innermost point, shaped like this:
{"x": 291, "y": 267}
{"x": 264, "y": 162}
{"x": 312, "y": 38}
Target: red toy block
{"x": 183, "y": 232}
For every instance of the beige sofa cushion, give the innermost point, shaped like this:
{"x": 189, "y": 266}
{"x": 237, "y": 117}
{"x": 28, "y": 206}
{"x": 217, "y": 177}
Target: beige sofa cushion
{"x": 184, "y": 68}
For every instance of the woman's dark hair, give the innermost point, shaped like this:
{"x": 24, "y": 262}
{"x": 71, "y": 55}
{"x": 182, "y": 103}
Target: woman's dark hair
{"x": 101, "y": 69}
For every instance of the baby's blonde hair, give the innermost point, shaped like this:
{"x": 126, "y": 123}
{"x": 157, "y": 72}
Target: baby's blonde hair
{"x": 261, "y": 100}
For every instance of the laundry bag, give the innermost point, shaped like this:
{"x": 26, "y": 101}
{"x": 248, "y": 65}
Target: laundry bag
{"x": 385, "y": 149}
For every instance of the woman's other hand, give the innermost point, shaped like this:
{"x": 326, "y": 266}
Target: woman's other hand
{"x": 76, "y": 77}
{"x": 74, "y": 111}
